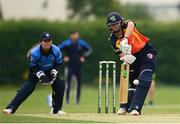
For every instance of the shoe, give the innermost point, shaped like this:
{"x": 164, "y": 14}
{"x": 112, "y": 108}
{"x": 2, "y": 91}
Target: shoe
{"x": 51, "y": 112}
{"x": 7, "y": 111}
{"x": 134, "y": 113}
{"x": 121, "y": 111}
{"x": 60, "y": 112}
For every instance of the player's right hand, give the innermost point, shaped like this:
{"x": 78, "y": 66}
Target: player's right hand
{"x": 129, "y": 58}
{"x": 124, "y": 46}
{"x": 39, "y": 74}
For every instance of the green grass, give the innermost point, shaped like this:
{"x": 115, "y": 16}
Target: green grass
{"x": 166, "y": 102}
{"x": 26, "y": 119}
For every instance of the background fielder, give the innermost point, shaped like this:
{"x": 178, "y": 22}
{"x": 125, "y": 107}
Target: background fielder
{"x": 76, "y": 51}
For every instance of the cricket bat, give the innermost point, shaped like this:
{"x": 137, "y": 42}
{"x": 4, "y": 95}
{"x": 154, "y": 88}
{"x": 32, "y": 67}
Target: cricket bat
{"x": 124, "y": 80}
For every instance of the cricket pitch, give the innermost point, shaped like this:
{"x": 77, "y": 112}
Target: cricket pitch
{"x": 146, "y": 118}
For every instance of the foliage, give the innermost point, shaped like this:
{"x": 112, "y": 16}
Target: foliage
{"x": 135, "y": 11}
{"x": 16, "y": 38}
{"x": 99, "y": 8}
{"x": 84, "y": 8}
{"x": 0, "y": 11}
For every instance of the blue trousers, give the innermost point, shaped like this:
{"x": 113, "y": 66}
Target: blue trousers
{"x": 69, "y": 74}
{"x": 28, "y": 87}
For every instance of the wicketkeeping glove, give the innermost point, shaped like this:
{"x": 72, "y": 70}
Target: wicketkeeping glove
{"x": 53, "y": 74}
{"x": 42, "y": 78}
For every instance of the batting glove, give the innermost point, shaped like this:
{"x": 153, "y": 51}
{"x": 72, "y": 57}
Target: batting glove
{"x": 124, "y": 46}
{"x": 129, "y": 58}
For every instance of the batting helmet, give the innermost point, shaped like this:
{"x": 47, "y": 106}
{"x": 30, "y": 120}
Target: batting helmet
{"x": 113, "y": 18}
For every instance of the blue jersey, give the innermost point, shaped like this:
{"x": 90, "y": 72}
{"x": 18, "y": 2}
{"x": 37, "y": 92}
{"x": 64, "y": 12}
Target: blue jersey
{"x": 74, "y": 50}
{"x": 45, "y": 62}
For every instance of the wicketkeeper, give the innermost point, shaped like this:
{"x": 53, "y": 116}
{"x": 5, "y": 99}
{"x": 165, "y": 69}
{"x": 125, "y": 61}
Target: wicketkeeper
{"x": 45, "y": 60}
{"x": 134, "y": 49}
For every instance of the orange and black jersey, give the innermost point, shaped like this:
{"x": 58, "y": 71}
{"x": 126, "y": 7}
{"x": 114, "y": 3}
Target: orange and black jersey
{"x": 136, "y": 40}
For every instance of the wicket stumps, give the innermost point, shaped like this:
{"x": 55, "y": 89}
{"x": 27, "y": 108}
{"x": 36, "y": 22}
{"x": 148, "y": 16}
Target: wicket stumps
{"x": 107, "y": 63}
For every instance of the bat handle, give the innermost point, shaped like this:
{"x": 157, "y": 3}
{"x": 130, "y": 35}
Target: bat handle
{"x": 124, "y": 63}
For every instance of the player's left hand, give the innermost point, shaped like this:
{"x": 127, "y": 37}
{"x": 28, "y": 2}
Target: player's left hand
{"x": 53, "y": 75}
{"x": 124, "y": 46}
{"x": 129, "y": 58}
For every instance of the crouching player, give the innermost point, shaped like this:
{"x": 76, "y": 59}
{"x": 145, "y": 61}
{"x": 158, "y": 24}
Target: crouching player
{"x": 134, "y": 49}
{"x": 45, "y": 60}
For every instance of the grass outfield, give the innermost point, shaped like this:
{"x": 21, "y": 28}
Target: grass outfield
{"x": 35, "y": 108}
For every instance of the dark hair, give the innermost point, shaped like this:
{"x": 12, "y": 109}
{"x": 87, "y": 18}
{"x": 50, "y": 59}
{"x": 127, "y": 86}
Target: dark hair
{"x": 73, "y": 32}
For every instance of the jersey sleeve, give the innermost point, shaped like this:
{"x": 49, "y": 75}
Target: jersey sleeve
{"x": 34, "y": 62}
{"x": 64, "y": 45}
{"x": 126, "y": 24}
{"x": 28, "y": 55}
{"x": 86, "y": 48}
{"x": 58, "y": 55}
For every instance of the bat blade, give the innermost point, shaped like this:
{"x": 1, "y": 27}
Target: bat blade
{"x": 124, "y": 80}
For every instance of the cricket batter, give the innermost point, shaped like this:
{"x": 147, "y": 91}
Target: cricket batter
{"x": 134, "y": 49}
{"x": 45, "y": 60}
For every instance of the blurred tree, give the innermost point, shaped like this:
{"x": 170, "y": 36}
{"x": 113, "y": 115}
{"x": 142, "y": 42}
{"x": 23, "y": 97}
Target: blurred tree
{"x": 178, "y": 6}
{"x": 0, "y": 12}
{"x": 102, "y": 7}
{"x": 15, "y": 33}
{"x": 136, "y": 11}
{"x": 77, "y": 8}
{"x": 98, "y": 8}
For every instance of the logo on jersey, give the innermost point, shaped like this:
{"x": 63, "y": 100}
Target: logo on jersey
{"x": 150, "y": 55}
{"x": 113, "y": 18}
